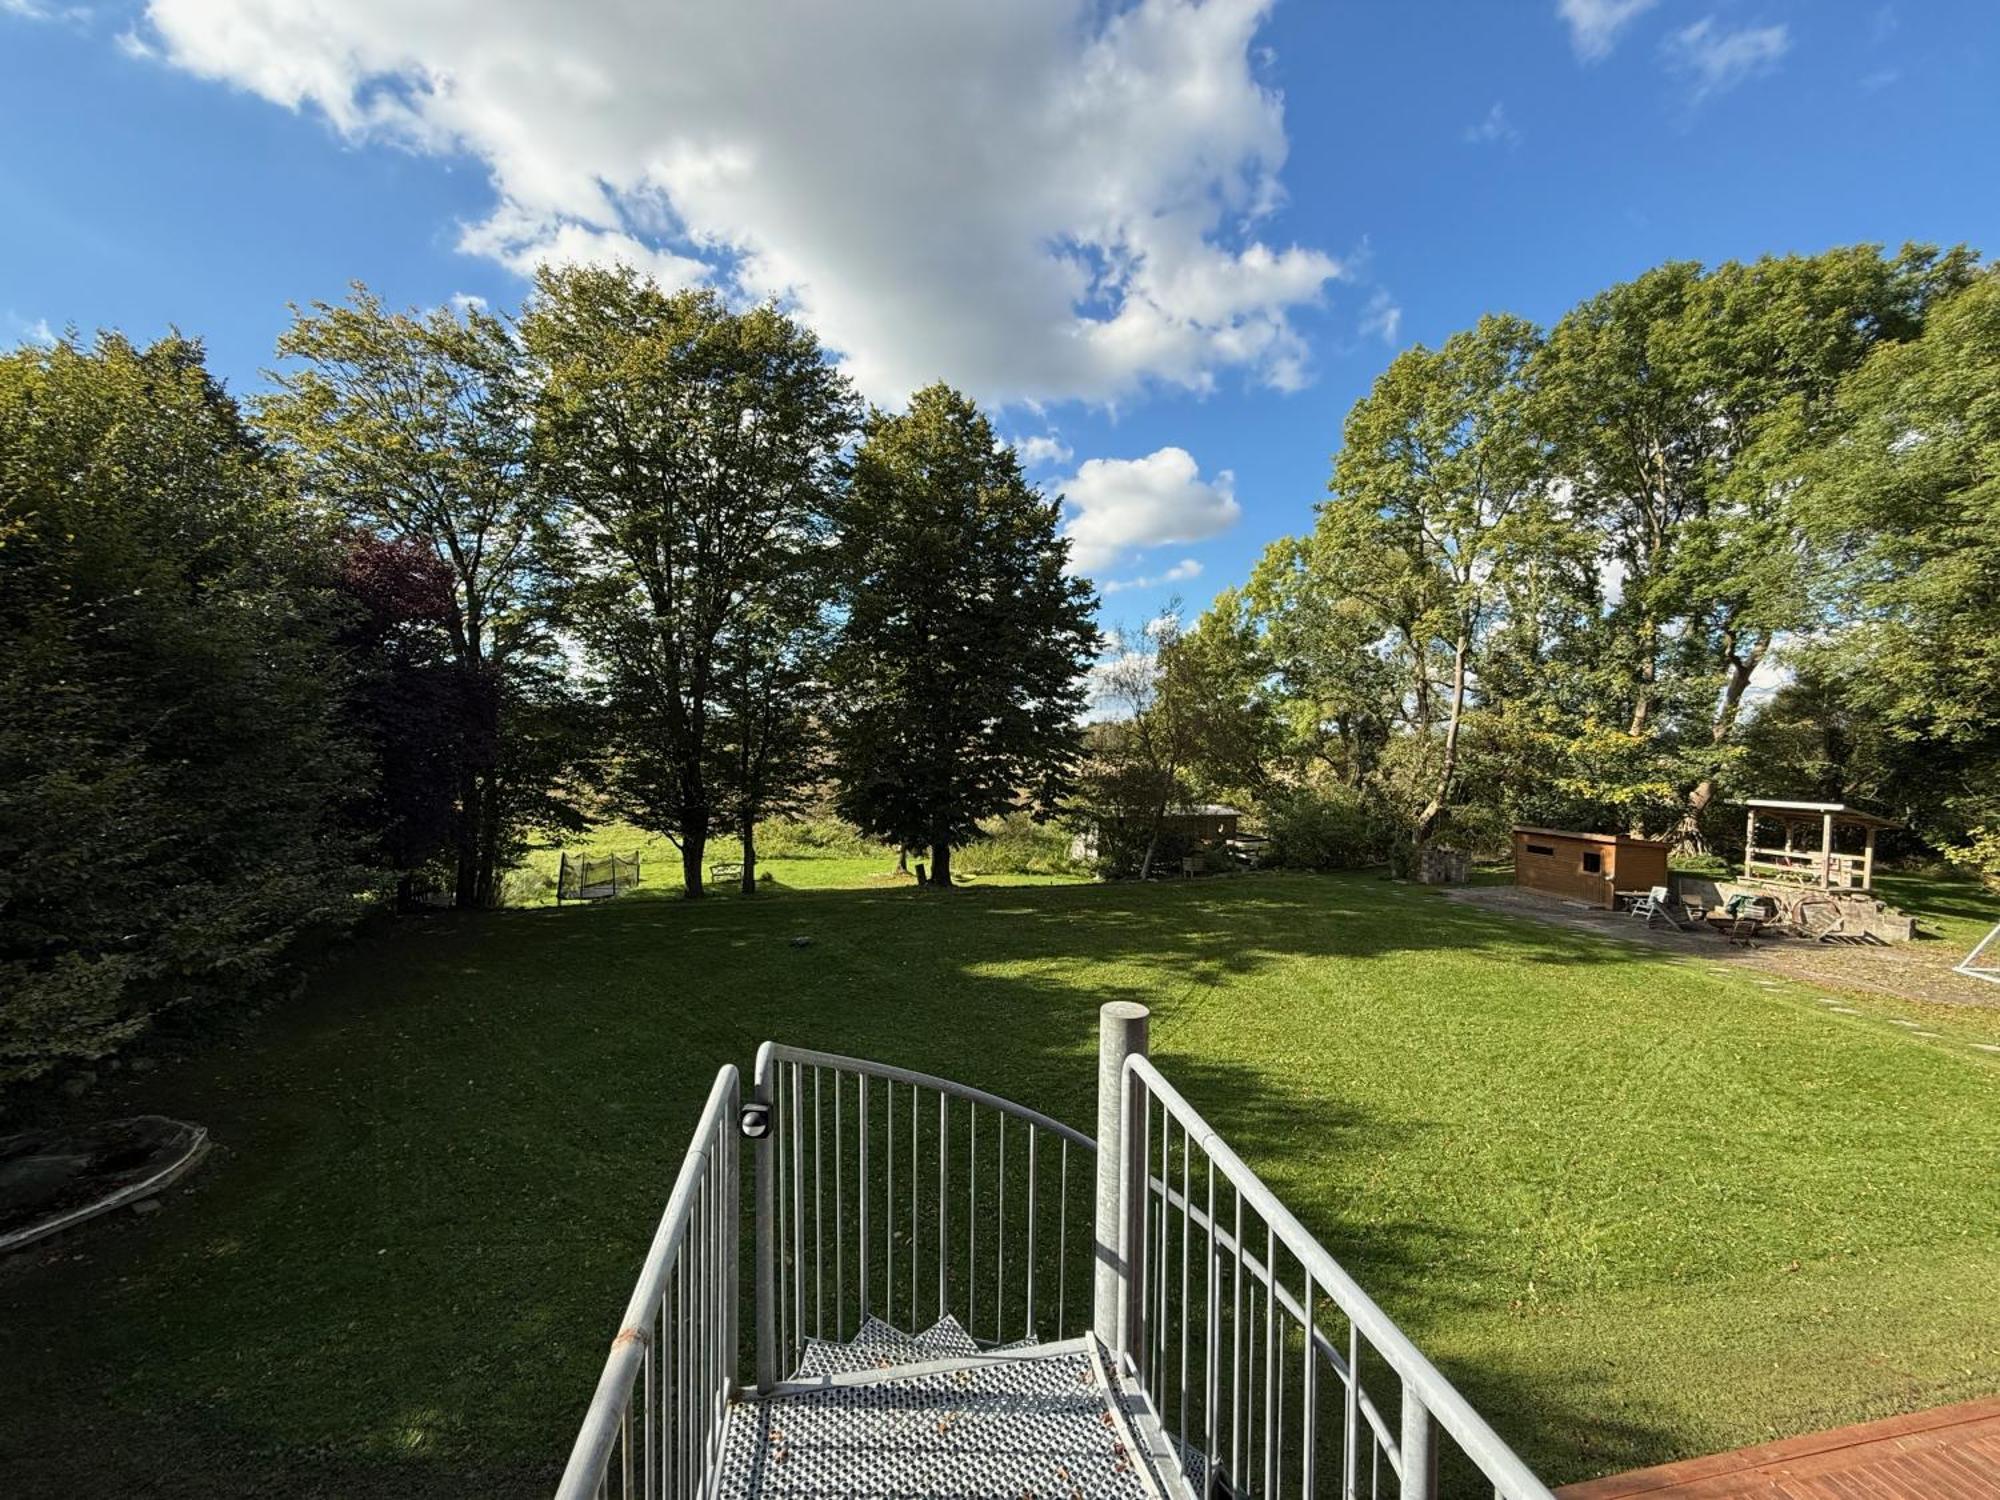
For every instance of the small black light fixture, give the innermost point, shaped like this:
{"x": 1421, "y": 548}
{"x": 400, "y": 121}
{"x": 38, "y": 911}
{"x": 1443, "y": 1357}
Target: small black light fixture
{"x": 755, "y": 1121}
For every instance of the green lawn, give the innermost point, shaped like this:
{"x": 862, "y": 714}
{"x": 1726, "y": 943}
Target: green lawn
{"x": 1637, "y": 1208}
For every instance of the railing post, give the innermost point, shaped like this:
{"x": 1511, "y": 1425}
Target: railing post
{"x": 1420, "y": 1447}
{"x": 763, "y": 1093}
{"x": 1122, "y": 1033}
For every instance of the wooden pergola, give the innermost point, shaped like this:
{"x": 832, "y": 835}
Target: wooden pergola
{"x": 1798, "y": 862}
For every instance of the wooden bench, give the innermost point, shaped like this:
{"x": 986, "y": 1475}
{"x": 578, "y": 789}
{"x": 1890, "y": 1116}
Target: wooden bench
{"x": 726, "y": 869}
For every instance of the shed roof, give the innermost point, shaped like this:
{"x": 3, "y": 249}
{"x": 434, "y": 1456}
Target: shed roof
{"x": 1205, "y": 810}
{"x": 1625, "y": 839}
{"x": 1842, "y": 813}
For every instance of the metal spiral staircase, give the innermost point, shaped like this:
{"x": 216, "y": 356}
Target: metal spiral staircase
{"x": 954, "y": 1295}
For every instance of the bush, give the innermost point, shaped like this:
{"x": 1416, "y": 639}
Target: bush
{"x": 1328, "y": 829}
{"x": 171, "y": 757}
{"x": 815, "y": 836}
{"x": 1017, "y": 845}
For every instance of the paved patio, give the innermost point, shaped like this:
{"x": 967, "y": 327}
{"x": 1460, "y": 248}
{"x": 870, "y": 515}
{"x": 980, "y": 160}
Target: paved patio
{"x": 1950, "y": 1453}
{"x": 1920, "y": 970}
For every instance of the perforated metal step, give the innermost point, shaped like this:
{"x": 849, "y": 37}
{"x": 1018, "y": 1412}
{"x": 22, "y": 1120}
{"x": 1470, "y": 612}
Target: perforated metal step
{"x": 954, "y": 1420}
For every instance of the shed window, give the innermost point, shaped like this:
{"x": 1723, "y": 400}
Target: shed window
{"x": 1593, "y": 862}
{"x": 1541, "y": 848}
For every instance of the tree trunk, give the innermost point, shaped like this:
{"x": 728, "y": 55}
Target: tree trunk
{"x": 465, "y": 838}
{"x": 749, "y": 836}
{"x": 486, "y": 887}
{"x": 1427, "y": 820}
{"x": 1741, "y": 670}
{"x": 941, "y": 863}
{"x": 694, "y": 847}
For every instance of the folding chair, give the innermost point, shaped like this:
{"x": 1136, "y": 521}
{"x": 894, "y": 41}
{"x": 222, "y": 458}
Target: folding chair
{"x": 1659, "y": 904}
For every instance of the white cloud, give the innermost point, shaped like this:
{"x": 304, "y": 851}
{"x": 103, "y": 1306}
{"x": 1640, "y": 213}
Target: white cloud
{"x": 1180, "y": 572}
{"x": 1594, "y": 25}
{"x": 1495, "y": 130}
{"x": 1382, "y": 318}
{"x": 30, "y": 330}
{"x": 1035, "y": 200}
{"x": 465, "y": 302}
{"x": 1715, "y": 59}
{"x": 1122, "y": 505}
{"x": 1041, "y": 449}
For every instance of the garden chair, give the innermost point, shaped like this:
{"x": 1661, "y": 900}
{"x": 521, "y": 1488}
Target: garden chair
{"x": 1659, "y": 904}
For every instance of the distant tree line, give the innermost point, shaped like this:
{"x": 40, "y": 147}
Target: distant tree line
{"x": 1727, "y": 531}
{"x": 450, "y": 579}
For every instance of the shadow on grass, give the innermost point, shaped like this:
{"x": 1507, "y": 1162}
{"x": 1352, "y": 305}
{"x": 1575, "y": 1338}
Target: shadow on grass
{"x": 441, "y": 1169}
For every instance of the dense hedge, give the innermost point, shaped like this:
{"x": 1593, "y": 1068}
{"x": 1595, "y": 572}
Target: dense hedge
{"x": 171, "y": 759}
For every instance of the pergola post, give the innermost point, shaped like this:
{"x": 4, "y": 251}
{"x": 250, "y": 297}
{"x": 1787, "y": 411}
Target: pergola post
{"x": 1868, "y": 860}
{"x": 1826, "y": 851}
{"x": 1749, "y": 841}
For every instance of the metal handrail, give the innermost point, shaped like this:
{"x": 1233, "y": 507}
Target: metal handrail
{"x": 676, "y": 1344}
{"x": 802, "y": 1169}
{"x": 1228, "y": 1442}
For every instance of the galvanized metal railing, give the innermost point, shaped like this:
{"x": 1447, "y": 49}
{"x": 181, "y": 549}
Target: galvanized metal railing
{"x": 889, "y": 1193}
{"x": 655, "y": 1425}
{"x": 1266, "y": 1364}
{"x": 883, "y": 1192}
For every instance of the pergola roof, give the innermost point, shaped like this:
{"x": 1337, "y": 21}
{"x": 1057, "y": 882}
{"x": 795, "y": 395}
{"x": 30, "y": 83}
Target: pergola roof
{"x": 1842, "y": 813}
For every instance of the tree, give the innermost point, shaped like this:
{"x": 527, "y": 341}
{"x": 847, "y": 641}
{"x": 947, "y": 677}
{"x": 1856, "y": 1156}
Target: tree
{"x": 1335, "y": 693}
{"x": 1191, "y": 719}
{"x": 407, "y": 424}
{"x": 1439, "y": 500}
{"x": 1680, "y": 408}
{"x": 172, "y": 755}
{"x": 695, "y": 452}
{"x": 1907, "y": 498}
{"x": 770, "y": 716}
{"x": 404, "y": 701}
{"x": 959, "y": 668}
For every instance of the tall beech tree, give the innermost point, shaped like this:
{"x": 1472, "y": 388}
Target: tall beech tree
{"x": 1439, "y": 499}
{"x": 959, "y": 671}
{"x": 1681, "y": 409}
{"x": 694, "y": 451}
{"x": 407, "y": 423}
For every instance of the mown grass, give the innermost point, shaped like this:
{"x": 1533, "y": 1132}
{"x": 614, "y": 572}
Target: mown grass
{"x": 817, "y": 854}
{"x": 1638, "y": 1208}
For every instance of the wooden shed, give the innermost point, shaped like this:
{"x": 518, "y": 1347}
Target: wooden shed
{"x": 1592, "y": 867}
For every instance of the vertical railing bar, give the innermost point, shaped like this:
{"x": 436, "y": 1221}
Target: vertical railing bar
{"x": 1270, "y": 1366}
{"x": 839, "y": 1217}
{"x": 1274, "y": 1481}
{"x": 652, "y": 1394}
{"x": 1350, "y": 1468}
{"x": 1062, "y": 1242}
{"x": 1166, "y": 1208}
{"x": 1308, "y": 1322}
{"x": 861, "y": 1185}
{"x": 1248, "y": 1483}
{"x": 798, "y": 1216}
{"x": 1141, "y": 1333}
{"x": 1236, "y": 1349}
{"x": 914, "y": 1131}
{"x": 889, "y": 1206}
{"x": 778, "y": 1123}
{"x": 819, "y": 1212}
{"x": 944, "y": 1190}
{"x": 971, "y": 1218}
{"x": 1187, "y": 1207}
{"x": 1000, "y": 1237}
{"x": 1028, "y": 1330}
{"x": 1211, "y": 1338}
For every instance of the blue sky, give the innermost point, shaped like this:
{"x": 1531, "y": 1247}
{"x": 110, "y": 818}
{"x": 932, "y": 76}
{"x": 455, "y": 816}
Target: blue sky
{"x": 1171, "y": 242}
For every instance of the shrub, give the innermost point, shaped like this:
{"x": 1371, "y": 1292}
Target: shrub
{"x": 1017, "y": 845}
{"x": 1328, "y": 829}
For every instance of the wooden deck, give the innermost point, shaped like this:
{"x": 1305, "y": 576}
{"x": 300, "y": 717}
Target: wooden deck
{"x": 1951, "y": 1453}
